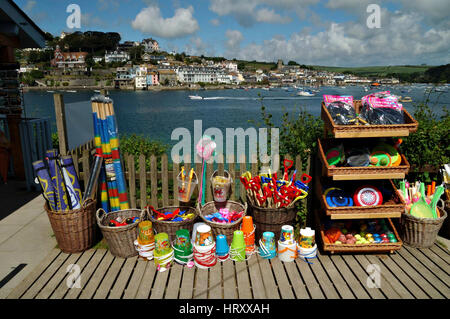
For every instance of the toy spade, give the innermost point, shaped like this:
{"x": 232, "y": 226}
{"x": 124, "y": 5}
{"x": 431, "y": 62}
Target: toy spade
{"x": 421, "y": 209}
{"x": 437, "y": 195}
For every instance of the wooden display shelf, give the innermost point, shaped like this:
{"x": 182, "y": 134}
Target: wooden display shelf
{"x": 392, "y": 209}
{"x": 360, "y": 248}
{"x": 359, "y": 131}
{"x": 359, "y": 173}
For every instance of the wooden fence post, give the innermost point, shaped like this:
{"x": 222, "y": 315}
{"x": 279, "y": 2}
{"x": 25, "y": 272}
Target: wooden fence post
{"x": 61, "y": 123}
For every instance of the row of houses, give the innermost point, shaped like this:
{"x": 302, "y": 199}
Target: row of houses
{"x": 143, "y": 76}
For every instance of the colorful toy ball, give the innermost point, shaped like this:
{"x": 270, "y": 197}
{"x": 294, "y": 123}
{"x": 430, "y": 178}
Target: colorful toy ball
{"x": 367, "y": 196}
{"x": 334, "y": 156}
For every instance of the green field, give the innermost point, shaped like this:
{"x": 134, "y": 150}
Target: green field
{"x": 376, "y": 70}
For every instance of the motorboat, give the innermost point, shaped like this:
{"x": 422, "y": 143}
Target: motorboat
{"x": 406, "y": 99}
{"x": 305, "y": 93}
{"x": 195, "y": 97}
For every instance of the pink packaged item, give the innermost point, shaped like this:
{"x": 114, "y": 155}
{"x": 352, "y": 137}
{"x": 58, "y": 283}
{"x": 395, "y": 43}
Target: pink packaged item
{"x": 337, "y": 98}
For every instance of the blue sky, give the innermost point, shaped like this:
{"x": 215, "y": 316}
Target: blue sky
{"x": 325, "y": 32}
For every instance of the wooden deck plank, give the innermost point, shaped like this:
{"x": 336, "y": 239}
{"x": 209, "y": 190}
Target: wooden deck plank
{"x": 58, "y": 277}
{"x": 441, "y": 252}
{"x": 147, "y": 280}
{"x": 215, "y": 282}
{"x": 160, "y": 284}
{"x": 62, "y": 289}
{"x": 435, "y": 259}
{"x": 341, "y": 286}
{"x": 136, "y": 278}
{"x": 187, "y": 283}
{"x": 311, "y": 283}
{"x": 416, "y": 277}
{"x": 229, "y": 280}
{"x": 20, "y": 289}
{"x": 385, "y": 273}
{"x": 297, "y": 283}
{"x": 425, "y": 272}
{"x": 361, "y": 266}
{"x": 425, "y": 261}
{"x": 87, "y": 274}
{"x": 354, "y": 284}
{"x": 243, "y": 281}
{"x": 173, "y": 286}
{"x": 256, "y": 280}
{"x": 268, "y": 279}
{"x": 412, "y": 287}
{"x": 98, "y": 275}
{"x": 45, "y": 276}
{"x": 125, "y": 272}
{"x": 201, "y": 283}
{"x": 326, "y": 284}
{"x": 282, "y": 280}
{"x": 111, "y": 274}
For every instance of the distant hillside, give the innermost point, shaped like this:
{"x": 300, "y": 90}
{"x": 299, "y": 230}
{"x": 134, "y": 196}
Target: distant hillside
{"x": 376, "y": 71}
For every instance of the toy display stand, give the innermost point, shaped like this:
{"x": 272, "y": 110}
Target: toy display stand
{"x": 328, "y": 174}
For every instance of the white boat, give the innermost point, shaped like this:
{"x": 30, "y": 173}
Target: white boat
{"x": 71, "y": 91}
{"x": 195, "y": 97}
{"x": 406, "y": 99}
{"x": 305, "y": 93}
{"x": 97, "y": 91}
{"x": 267, "y": 89}
{"x": 50, "y": 91}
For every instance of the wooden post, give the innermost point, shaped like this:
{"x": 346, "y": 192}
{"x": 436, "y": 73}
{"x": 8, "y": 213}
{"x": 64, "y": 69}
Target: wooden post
{"x": 61, "y": 123}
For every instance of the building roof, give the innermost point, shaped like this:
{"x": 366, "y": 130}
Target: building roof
{"x": 15, "y": 22}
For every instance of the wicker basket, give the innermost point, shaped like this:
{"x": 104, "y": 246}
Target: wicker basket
{"x": 359, "y": 173}
{"x": 219, "y": 228}
{"x": 278, "y": 216}
{"x": 421, "y": 232}
{"x": 120, "y": 239}
{"x": 362, "y": 248}
{"x": 74, "y": 230}
{"x": 162, "y": 226}
{"x": 351, "y": 131}
{"x": 392, "y": 209}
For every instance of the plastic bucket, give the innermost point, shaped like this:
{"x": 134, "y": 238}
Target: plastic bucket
{"x": 221, "y": 186}
{"x": 186, "y": 187}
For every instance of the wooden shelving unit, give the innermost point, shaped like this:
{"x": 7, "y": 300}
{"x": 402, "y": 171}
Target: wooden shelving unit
{"x": 330, "y": 174}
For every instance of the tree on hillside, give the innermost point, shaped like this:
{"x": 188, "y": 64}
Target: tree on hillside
{"x": 292, "y": 63}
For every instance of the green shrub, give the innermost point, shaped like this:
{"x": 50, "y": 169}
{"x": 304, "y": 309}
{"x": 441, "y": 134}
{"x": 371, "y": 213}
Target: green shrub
{"x": 137, "y": 144}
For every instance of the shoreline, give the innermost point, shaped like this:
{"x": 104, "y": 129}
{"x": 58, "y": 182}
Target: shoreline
{"x": 156, "y": 88}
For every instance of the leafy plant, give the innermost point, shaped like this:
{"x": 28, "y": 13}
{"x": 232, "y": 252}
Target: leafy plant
{"x": 429, "y": 146}
{"x": 137, "y": 144}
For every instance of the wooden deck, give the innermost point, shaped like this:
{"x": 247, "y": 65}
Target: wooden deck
{"x": 410, "y": 273}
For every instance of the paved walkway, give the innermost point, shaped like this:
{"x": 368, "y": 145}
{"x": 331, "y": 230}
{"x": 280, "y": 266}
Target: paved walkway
{"x": 26, "y": 237}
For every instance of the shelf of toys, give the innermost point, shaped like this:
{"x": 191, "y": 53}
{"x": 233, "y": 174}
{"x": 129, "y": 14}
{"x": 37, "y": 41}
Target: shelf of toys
{"x": 354, "y": 183}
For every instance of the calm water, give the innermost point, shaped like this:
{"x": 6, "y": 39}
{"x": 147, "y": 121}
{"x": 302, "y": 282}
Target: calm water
{"x": 157, "y": 114}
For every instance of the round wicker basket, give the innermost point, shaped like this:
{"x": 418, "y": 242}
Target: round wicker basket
{"x": 420, "y": 232}
{"x": 220, "y": 228}
{"x": 74, "y": 230}
{"x": 162, "y": 226}
{"x": 120, "y": 239}
{"x": 278, "y": 216}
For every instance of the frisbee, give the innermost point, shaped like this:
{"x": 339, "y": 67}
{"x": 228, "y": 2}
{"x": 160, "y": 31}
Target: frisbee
{"x": 367, "y": 196}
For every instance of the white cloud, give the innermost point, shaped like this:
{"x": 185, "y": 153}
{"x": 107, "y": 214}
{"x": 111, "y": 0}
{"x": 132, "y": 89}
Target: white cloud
{"x": 150, "y": 21}
{"x": 234, "y": 39}
{"x": 249, "y": 12}
{"x": 196, "y": 46}
{"x": 401, "y": 40}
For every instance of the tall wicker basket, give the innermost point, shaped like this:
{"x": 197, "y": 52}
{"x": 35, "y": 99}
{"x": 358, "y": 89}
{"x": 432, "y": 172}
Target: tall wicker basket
{"x": 220, "y": 228}
{"x": 120, "y": 239}
{"x": 420, "y": 232}
{"x": 162, "y": 226}
{"x": 74, "y": 230}
{"x": 271, "y": 219}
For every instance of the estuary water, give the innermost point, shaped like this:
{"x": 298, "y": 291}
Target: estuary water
{"x": 156, "y": 114}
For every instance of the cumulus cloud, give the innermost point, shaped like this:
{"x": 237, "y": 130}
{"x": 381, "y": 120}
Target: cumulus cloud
{"x": 249, "y": 12}
{"x": 401, "y": 40}
{"x": 196, "y": 46}
{"x": 149, "y": 20}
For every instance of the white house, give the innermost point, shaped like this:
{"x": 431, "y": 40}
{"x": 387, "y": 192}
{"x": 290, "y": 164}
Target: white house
{"x": 150, "y": 45}
{"x": 188, "y": 74}
{"x": 140, "y": 79}
{"x": 116, "y": 56}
